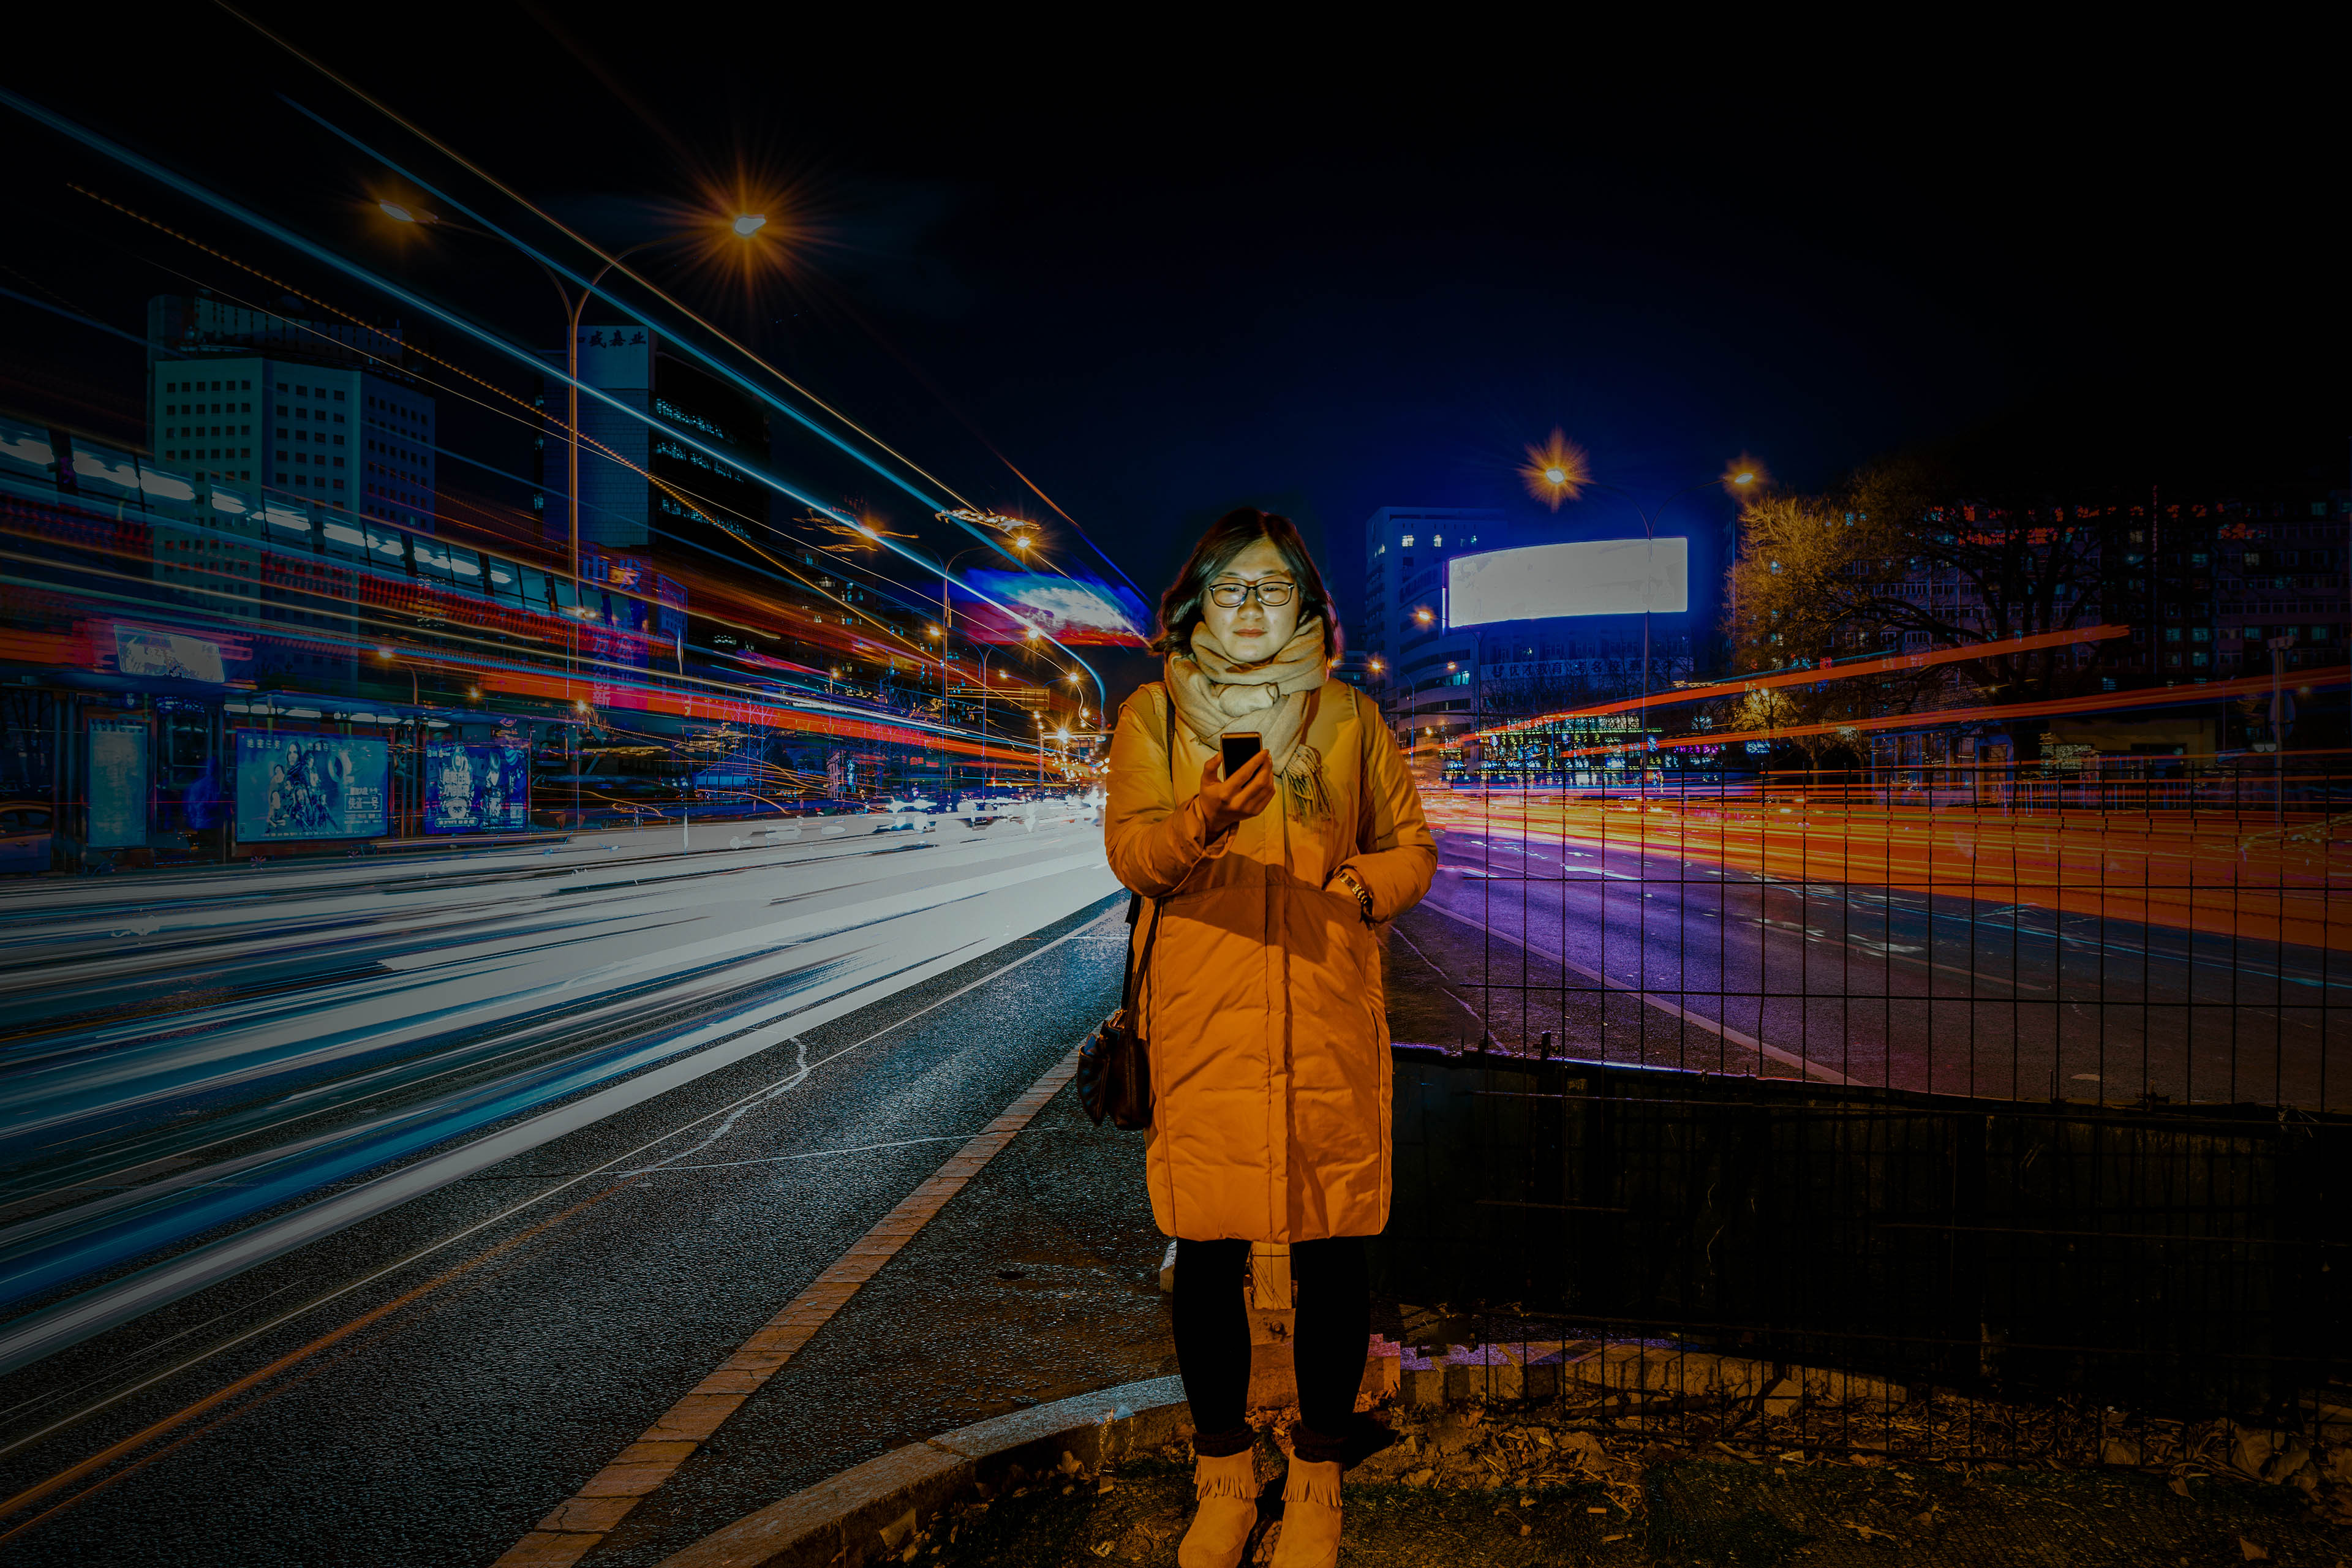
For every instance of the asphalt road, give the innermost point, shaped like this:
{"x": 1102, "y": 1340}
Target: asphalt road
{"x": 487, "y": 1338}
{"x": 1634, "y": 954}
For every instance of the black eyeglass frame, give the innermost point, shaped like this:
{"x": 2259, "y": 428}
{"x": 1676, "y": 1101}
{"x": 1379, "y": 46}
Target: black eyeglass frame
{"x": 1263, "y": 593}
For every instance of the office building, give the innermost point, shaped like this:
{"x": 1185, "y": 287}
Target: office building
{"x": 1406, "y": 646}
{"x": 667, "y": 450}
{"x": 319, "y": 411}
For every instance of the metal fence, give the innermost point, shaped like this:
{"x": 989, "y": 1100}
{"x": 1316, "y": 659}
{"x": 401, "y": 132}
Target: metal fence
{"x": 1883, "y": 1109}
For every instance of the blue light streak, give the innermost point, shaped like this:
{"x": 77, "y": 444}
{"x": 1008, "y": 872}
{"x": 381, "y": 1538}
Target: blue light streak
{"x": 490, "y": 340}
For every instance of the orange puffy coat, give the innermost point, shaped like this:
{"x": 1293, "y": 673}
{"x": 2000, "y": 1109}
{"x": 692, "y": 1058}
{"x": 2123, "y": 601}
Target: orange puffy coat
{"x": 1262, "y": 1007}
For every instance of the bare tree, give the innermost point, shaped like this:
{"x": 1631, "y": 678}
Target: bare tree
{"x": 1905, "y": 557}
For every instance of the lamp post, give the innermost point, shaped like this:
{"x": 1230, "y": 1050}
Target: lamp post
{"x": 1564, "y": 477}
{"x": 743, "y": 226}
{"x": 984, "y": 652}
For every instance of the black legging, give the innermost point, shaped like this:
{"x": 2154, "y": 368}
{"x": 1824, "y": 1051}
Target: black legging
{"x": 1334, "y": 1299}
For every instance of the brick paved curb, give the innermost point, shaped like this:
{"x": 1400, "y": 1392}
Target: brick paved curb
{"x": 865, "y": 1515}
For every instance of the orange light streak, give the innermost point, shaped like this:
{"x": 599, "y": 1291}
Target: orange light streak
{"x": 2093, "y": 702}
{"x": 1810, "y": 676}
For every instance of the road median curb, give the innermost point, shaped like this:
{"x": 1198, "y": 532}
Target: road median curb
{"x": 867, "y": 1513}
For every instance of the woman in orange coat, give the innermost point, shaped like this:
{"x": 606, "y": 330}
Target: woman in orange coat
{"x": 1262, "y": 1007}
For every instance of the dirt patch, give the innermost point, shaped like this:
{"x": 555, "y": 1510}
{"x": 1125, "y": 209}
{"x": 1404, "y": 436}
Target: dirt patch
{"x": 1503, "y": 1486}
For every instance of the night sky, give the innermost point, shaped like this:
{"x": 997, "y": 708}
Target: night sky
{"x": 1164, "y": 282}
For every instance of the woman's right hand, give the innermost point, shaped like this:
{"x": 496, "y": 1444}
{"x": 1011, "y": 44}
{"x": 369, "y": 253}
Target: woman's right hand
{"x": 1227, "y": 801}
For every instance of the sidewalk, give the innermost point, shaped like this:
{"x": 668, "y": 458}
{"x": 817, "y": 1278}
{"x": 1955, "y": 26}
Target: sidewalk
{"x": 1039, "y": 1281}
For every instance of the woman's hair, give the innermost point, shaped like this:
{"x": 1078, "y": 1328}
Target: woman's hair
{"x": 1179, "y": 606}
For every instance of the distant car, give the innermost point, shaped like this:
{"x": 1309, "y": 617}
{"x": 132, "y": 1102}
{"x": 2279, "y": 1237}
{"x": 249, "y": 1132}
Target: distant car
{"x": 27, "y": 828}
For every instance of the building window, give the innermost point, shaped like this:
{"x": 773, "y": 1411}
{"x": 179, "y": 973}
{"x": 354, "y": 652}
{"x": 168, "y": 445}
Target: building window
{"x": 1407, "y": 541}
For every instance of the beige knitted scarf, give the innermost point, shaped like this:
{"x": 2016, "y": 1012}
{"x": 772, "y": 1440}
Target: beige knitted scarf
{"x": 1214, "y": 694}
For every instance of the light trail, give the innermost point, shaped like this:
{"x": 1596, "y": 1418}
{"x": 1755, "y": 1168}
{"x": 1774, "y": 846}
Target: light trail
{"x": 333, "y": 259}
{"x": 2197, "y": 870}
{"x": 410, "y": 1029}
{"x": 1883, "y": 664}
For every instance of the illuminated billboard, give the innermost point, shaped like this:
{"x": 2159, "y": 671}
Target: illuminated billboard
{"x": 1074, "y": 609}
{"x": 476, "y": 788}
{"x": 172, "y": 655}
{"x": 293, "y": 785}
{"x": 1599, "y": 577}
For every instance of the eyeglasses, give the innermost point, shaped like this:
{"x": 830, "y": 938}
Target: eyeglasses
{"x": 1233, "y": 596}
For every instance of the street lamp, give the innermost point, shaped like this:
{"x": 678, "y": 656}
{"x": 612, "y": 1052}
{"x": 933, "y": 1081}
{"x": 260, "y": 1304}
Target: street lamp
{"x": 744, "y": 226}
{"x": 1560, "y": 472}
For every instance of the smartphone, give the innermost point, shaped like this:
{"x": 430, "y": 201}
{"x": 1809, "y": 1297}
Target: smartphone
{"x": 1239, "y": 746}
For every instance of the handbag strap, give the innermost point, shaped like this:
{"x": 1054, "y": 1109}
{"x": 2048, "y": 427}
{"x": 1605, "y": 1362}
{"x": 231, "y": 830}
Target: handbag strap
{"x": 1136, "y": 902}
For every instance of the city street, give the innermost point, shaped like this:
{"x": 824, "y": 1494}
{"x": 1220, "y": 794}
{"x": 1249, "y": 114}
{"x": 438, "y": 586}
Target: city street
{"x": 742, "y": 1062}
{"x": 229, "y": 1042}
{"x": 315, "y": 1186}
{"x": 1907, "y": 987}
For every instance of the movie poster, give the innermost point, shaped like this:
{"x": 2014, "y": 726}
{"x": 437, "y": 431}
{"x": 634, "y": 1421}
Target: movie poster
{"x": 118, "y": 784}
{"x": 310, "y": 786}
{"x": 472, "y": 787}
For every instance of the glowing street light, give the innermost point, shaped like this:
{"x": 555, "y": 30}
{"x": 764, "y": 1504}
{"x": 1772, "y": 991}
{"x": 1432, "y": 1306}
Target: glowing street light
{"x": 1556, "y": 471}
{"x": 1019, "y": 531}
{"x": 746, "y": 224}
{"x": 1423, "y": 616}
{"x": 397, "y": 212}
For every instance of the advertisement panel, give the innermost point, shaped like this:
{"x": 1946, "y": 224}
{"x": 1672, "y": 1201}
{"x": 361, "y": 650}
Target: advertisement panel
{"x": 476, "y": 787}
{"x": 171, "y": 655}
{"x": 118, "y": 784}
{"x": 1075, "y": 610}
{"x": 1597, "y": 577}
{"x": 310, "y": 786}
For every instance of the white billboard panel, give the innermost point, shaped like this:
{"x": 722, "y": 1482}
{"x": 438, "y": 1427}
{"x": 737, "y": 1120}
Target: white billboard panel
{"x": 1598, "y": 577}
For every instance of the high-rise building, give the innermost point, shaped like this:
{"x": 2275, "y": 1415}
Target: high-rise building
{"x": 1405, "y": 553}
{"x": 318, "y": 410}
{"x": 665, "y": 449}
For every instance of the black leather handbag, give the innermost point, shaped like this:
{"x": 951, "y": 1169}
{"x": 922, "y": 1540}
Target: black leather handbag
{"x": 1115, "y": 1066}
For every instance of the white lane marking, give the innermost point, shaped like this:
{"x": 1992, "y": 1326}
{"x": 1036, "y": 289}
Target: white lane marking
{"x": 811, "y": 1154}
{"x": 42, "y": 1334}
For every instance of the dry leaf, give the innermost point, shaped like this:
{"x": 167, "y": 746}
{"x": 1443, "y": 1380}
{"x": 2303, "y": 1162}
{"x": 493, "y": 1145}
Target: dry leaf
{"x": 2253, "y": 1554}
{"x": 2177, "y": 1487}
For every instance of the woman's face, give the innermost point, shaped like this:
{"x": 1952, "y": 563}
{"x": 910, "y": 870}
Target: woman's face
{"x": 1251, "y": 630}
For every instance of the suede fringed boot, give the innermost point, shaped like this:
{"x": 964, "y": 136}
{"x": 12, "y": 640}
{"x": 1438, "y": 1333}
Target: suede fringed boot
{"x": 1228, "y": 1488}
{"x": 1310, "y": 1516}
